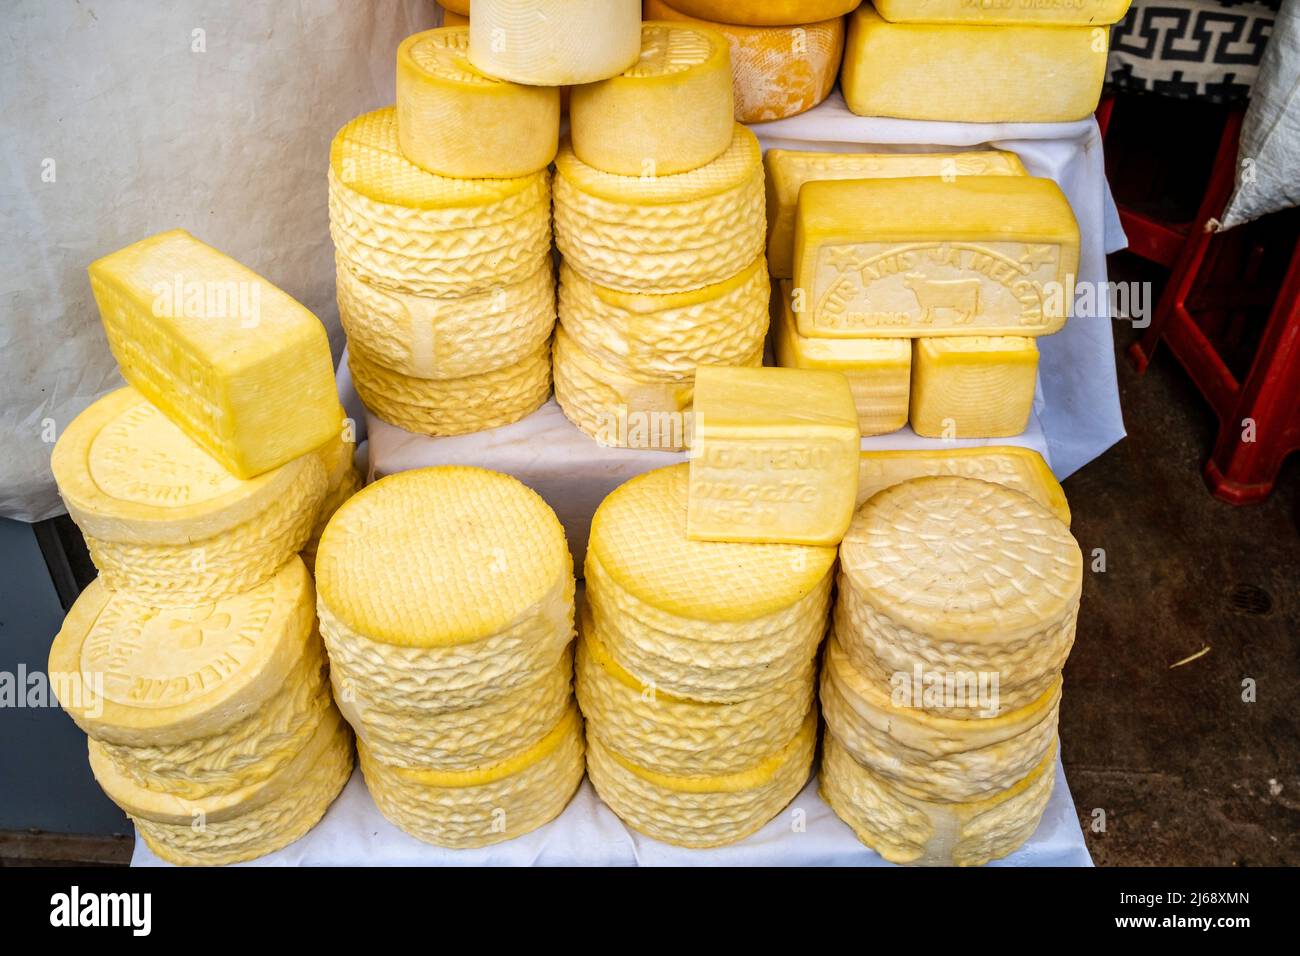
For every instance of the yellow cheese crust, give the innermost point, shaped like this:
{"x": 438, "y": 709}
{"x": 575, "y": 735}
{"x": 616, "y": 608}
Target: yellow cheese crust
{"x": 1004, "y": 12}
{"x": 334, "y": 499}
{"x": 451, "y": 19}
{"x": 554, "y": 42}
{"x": 460, "y": 7}
{"x": 977, "y": 387}
{"x": 766, "y": 12}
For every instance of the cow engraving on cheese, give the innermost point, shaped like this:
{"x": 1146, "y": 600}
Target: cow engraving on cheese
{"x": 961, "y": 296}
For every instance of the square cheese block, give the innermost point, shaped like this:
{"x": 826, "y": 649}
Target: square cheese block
{"x": 240, "y": 366}
{"x": 890, "y": 258}
{"x": 973, "y": 73}
{"x": 775, "y": 456}
{"x": 879, "y": 370}
{"x": 1041, "y": 12}
{"x": 973, "y": 387}
{"x": 788, "y": 170}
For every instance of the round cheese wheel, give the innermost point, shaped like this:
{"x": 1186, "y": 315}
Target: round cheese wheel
{"x": 766, "y": 13}
{"x": 554, "y": 42}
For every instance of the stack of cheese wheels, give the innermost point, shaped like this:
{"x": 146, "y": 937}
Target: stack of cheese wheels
{"x": 942, "y": 678}
{"x": 784, "y": 55}
{"x": 446, "y": 605}
{"x": 661, "y": 230}
{"x": 695, "y": 668}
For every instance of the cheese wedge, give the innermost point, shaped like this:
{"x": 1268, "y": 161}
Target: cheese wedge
{"x": 775, "y": 456}
{"x": 978, "y": 387}
{"x": 165, "y": 521}
{"x": 972, "y": 73}
{"x": 662, "y": 234}
{"x": 983, "y": 255}
{"x": 776, "y": 71}
{"x": 241, "y": 367}
{"x": 879, "y": 371}
{"x": 403, "y": 228}
{"x": 766, "y": 12}
{"x": 703, "y": 811}
{"x": 788, "y": 170}
{"x": 618, "y": 125}
{"x": 1004, "y": 12}
{"x": 485, "y": 805}
{"x": 1020, "y": 468}
{"x": 456, "y": 121}
{"x": 904, "y": 827}
{"x": 554, "y": 42}
{"x": 959, "y": 575}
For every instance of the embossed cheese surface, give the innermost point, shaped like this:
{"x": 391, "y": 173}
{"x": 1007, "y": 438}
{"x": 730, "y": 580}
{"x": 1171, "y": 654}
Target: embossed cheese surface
{"x": 972, "y": 73}
{"x": 879, "y": 371}
{"x": 621, "y": 125}
{"x": 240, "y": 366}
{"x": 454, "y": 120}
{"x": 775, "y": 456}
{"x": 788, "y": 170}
{"x": 976, "y": 387}
{"x": 766, "y": 12}
{"x": 1060, "y": 12}
{"x": 776, "y": 71}
{"x": 982, "y": 255}
{"x": 554, "y": 42}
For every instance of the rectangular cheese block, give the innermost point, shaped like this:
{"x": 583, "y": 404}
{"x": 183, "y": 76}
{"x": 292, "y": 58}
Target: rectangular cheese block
{"x": 1058, "y": 12}
{"x": 879, "y": 370}
{"x": 889, "y": 258}
{"x": 788, "y": 170}
{"x": 240, "y": 366}
{"x": 774, "y": 457}
{"x": 972, "y": 73}
{"x": 973, "y": 387}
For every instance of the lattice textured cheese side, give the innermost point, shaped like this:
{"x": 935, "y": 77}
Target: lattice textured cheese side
{"x": 1025, "y": 12}
{"x": 776, "y": 71}
{"x": 959, "y": 575}
{"x": 775, "y": 456}
{"x": 454, "y": 120}
{"x": 486, "y": 805}
{"x": 972, "y": 73}
{"x": 240, "y": 366}
{"x": 702, "y": 811}
{"x": 905, "y": 828}
{"x": 332, "y": 503}
{"x": 623, "y": 125}
{"x": 981, "y": 255}
{"x": 766, "y": 12}
{"x": 977, "y": 387}
{"x": 788, "y": 170}
{"x": 554, "y": 42}
{"x": 879, "y": 371}
{"x": 662, "y": 234}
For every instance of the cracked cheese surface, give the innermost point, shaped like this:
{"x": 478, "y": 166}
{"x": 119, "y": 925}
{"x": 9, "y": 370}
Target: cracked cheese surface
{"x": 1024, "y": 12}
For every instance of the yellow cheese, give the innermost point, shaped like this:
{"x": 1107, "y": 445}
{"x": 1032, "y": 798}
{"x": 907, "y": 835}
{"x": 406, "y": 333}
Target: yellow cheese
{"x": 624, "y": 124}
{"x": 349, "y": 486}
{"x": 458, "y": 7}
{"x": 662, "y": 234}
{"x": 878, "y": 370}
{"x": 788, "y": 170}
{"x": 426, "y": 337}
{"x": 1004, "y": 12}
{"x": 776, "y": 71}
{"x": 955, "y": 575}
{"x": 241, "y": 367}
{"x": 165, "y": 521}
{"x": 766, "y": 12}
{"x": 775, "y": 456}
{"x": 454, "y": 406}
{"x": 904, "y": 827}
{"x": 488, "y": 804}
{"x": 972, "y": 73}
{"x": 450, "y": 19}
{"x": 702, "y": 811}
{"x": 983, "y": 255}
{"x": 455, "y": 121}
{"x": 978, "y": 387}
{"x": 403, "y": 228}
{"x": 554, "y": 42}
{"x": 1020, "y": 468}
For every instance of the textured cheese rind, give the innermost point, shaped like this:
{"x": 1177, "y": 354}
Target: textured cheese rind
{"x": 487, "y": 806}
{"x": 349, "y": 486}
{"x": 455, "y": 121}
{"x": 777, "y": 71}
{"x": 1013, "y": 74}
{"x": 904, "y": 828}
{"x": 787, "y": 171}
{"x": 454, "y": 406}
{"x": 702, "y": 811}
{"x": 978, "y": 387}
{"x": 1020, "y": 468}
{"x": 667, "y": 336}
{"x": 554, "y": 42}
{"x": 940, "y": 757}
{"x": 619, "y": 125}
{"x": 1024, "y": 12}
{"x": 427, "y": 337}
